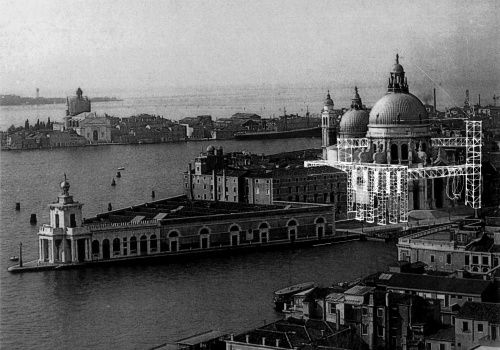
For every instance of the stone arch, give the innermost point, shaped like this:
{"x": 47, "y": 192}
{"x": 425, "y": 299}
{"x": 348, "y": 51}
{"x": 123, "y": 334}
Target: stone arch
{"x": 292, "y": 229}
{"x": 234, "y": 232}
{"x": 320, "y": 226}
{"x": 95, "y": 249}
{"x": 106, "y": 249}
{"x": 394, "y": 153}
{"x": 143, "y": 244}
{"x": 204, "y": 234}
{"x": 173, "y": 237}
{"x": 133, "y": 245}
{"x": 116, "y": 246}
{"x": 153, "y": 243}
{"x": 264, "y": 231}
{"x": 404, "y": 151}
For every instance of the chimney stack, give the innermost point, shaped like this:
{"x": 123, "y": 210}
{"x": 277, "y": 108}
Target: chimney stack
{"x": 277, "y": 343}
{"x": 435, "y": 110}
{"x": 263, "y": 340}
{"x": 248, "y": 338}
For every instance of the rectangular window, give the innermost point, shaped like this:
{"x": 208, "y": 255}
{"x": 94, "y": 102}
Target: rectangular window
{"x": 465, "y": 326}
{"x": 364, "y": 311}
{"x": 448, "y": 259}
{"x": 333, "y": 309}
{"x": 486, "y": 260}
{"x": 380, "y": 312}
{"x": 475, "y": 259}
{"x": 257, "y": 190}
{"x": 432, "y": 258}
{"x": 380, "y": 331}
{"x": 267, "y": 192}
{"x": 442, "y": 346}
{"x": 364, "y": 329}
{"x": 480, "y": 328}
{"x": 467, "y": 262}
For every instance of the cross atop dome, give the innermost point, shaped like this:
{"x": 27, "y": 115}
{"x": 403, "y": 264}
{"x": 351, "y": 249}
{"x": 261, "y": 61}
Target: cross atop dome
{"x": 356, "y": 100}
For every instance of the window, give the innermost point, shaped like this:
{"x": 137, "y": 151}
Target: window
{"x": 364, "y": 329}
{"x": 380, "y": 331}
{"x": 380, "y": 312}
{"x": 442, "y": 346}
{"x": 267, "y": 192}
{"x": 448, "y": 259}
{"x": 333, "y": 309}
{"x": 364, "y": 311}
{"x": 432, "y": 258}
{"x": 467, "y": 262}
{"x": 428, "y": 346}
{"x": 480, "y": 328}
{"x": 475, "y": 259}
{"x": 486, "y": 260}
{"x": 465, "y": 326}
{"x": 257, "y": 190}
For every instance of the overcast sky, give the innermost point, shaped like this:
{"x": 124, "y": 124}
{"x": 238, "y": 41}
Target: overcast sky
{"x": 146, "y": 47}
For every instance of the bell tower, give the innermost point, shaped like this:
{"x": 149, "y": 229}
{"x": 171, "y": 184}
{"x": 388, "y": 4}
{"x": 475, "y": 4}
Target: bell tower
{"x": 328, "y": 125}
{"x": 64, "y": 240}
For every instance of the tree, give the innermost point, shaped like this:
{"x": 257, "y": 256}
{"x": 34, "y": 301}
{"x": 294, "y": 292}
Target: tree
{"x": 27, "y": 124}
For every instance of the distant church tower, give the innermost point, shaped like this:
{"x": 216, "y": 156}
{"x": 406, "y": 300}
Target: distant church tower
{"x": 328, "y": 125}
{"x": 65, "y": 240}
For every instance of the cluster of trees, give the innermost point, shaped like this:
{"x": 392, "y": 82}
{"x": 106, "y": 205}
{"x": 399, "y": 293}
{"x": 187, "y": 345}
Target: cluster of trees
{"x": 37, "y": 126}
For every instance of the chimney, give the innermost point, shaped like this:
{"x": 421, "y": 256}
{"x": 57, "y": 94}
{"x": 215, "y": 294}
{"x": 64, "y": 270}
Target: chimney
{"x": 435, "y": 110}
{"x": 232, "y": 337}
{"x": 263, "y": 340}
{"x": 248, "y": 338}
{"x": 479, "y": 101}
{"x": 322, "y": 333}
{"x": 277, "y": 343}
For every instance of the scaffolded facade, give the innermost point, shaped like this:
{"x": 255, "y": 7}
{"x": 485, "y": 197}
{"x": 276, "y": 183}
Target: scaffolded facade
{"x": 379, "y": 192}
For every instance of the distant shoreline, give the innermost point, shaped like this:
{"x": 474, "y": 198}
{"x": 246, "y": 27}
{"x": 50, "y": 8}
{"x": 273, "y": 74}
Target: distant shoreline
{"x": 14, "y": 100}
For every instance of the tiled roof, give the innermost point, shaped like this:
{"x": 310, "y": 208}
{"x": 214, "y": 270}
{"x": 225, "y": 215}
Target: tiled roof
{"x": 446, "y": 333}
{"x": 359, "y": 290}
{"x": 426, "y": 283}
{"x": 319, "y": 293}
{"x": 480, "y": 311}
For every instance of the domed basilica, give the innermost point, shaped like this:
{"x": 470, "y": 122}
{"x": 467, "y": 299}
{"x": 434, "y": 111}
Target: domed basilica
{"x": 395, "y": 132}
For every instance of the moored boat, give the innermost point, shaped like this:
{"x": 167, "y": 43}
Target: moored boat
{"x": 285, "y": 295}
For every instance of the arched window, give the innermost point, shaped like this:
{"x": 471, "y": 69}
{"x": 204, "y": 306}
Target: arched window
{"x": 404, "y": 151}
{"x": 144, "y": 244}
{"x": 95, "y": 248}
{"x": 105, "y": 249}
{"x": 153, "y": 243}
{"x": 57, "y": 220}
{"x": 234, "y": 232}
{"x": 264, "y": 232}
{"x": 320, "y": 227}
{"x": 173, "y": 237}
{"x": 204, "y": 231}
{"x": 173, "y": 234}
{"x": 292, "y": 230}
{"x": 394, "y": 153}
{"x": 204, "y": 238}
{"x": 133, "y": 245}
{"x": 116, "y": 246}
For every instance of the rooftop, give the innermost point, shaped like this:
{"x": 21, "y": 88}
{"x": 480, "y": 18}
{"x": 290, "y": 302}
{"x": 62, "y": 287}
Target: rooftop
{"x": 480, "y": 312}
{"x": 408, "y": 281}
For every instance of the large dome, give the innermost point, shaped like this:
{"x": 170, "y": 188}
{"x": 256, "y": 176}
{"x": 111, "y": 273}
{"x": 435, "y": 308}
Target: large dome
{"x": 354, "y": 121}
{"x": 398, "y": 108}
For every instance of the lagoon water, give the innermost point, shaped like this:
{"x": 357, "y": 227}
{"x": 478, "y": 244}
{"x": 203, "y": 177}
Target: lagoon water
{"x": 138, "y": 307}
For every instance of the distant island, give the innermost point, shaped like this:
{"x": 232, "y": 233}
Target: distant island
{"x": 14, "y": 100}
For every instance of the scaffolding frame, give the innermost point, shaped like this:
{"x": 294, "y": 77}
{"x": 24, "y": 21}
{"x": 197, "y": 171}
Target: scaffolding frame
{"x": 381, "y": 190}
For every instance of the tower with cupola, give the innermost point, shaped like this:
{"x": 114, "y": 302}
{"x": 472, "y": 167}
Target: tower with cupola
{"x": 65, "y": 239}
{"x": 328, "y": 125}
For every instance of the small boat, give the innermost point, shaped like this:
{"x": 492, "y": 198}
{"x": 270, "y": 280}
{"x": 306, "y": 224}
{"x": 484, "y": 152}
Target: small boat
{"x": 121, "y": 168}
{"x": 14, "y": 258}
{"x": 113, "y": 183}
{"x": 285, "y": 295}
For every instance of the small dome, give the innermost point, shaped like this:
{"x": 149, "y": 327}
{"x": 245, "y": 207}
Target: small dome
{"x": 65, "y": 185}
{"x": 328, "y": 101}
{"x": 397, "y": 68}
{"x": 210, "y": 148}
{"x": 354, "y": 121}
{"x": 398, "y": 108}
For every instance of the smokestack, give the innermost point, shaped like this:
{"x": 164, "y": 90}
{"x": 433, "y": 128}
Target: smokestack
{"x": 479, "y": 102}
{"x": 435, "y": 110}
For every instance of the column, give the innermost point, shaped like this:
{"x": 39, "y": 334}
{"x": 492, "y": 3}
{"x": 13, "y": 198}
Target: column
{"x": 52, "y": 250}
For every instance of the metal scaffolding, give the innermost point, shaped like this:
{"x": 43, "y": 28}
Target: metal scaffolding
{"x": 381, "y": 190}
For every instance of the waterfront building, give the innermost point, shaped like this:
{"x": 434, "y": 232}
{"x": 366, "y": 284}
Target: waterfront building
{"x": 176, "y": 226}
{"x": 469, "y": 247}
{"x": 77, "y": 104}
{"x": 96, "y": 129}
{"x": 247, "y": 178}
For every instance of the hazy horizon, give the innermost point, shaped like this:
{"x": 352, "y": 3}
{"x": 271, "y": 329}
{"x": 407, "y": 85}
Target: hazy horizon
{"x": 155, "y": 48}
